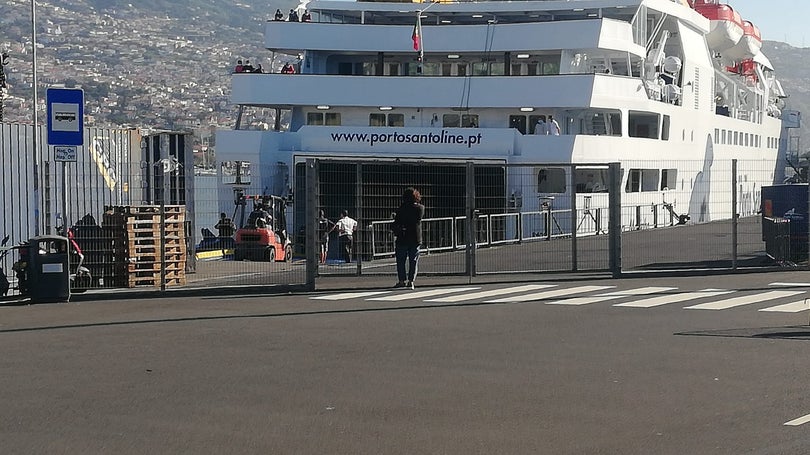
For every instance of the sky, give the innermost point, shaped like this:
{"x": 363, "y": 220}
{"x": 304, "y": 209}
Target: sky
{"x": 778, "y": 20}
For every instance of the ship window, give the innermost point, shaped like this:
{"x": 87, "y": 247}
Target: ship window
{"x": 428, "y": 69}
{"x": 533, "y": 119}
{"x": 517, "y": 69}
{"x": 345, "y": 68}
{"x": 633, "y": 181}
{"x": 479, "y": 69}
{"x": 745, "y": 140}
{"x": 717, "y": 135}
{"x": 396, "y": 119}
{"x": 447, "y": 69}
{"x": 469, "y": 121}
{"x": 649, "y": 179}
{"x": 551, "y": 180}
{"x": 235, "y": 172}
{"x": 643, "y": 124}
{"x": 496, "y": 69}
{"x": 518, "y": 122}
{"x": 665, "y": 128}
{"x": 461, "y": 69}
{"x": 393, "y": 69}
{"x": 669, "y": 178}
{"x": 314, "y": 118}
{"x": 736, "y": 137}
{"x": 531, "y": 69}
{"x": 376, "y": 120}
{"x": 383, "y": 120}
{"x": 451, "y": 120}
{"x": 551, "y": 67}
{"x": 332, "y": 119}
{"x": 591, "y": 180}
{"x": 723, "y": 137}
{"x": 601, "y": 123}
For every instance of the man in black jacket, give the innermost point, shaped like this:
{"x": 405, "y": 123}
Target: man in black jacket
{"x": 407, "y": 228}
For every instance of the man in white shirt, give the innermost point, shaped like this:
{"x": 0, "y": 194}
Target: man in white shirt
{"x": 553, "y": 126}
{"x": 346, "y": 227}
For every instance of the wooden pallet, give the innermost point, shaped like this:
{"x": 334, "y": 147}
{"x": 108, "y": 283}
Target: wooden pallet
{"x": 149, "y": 278}
{"x": 152, "y": 249}
{"x": 132, "y": 282}
{"x": 175, "y": 222}
{"x": 131, "y": 243}
{"x": 134, "y": 267}
{"x": 142, "y": 209}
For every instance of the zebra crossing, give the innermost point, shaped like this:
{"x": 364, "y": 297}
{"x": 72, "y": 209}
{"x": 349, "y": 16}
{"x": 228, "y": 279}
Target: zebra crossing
{"x": 780, "y": 300}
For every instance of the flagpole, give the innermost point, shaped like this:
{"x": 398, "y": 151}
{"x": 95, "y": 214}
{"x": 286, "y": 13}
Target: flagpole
{"x": 421, "y": 50}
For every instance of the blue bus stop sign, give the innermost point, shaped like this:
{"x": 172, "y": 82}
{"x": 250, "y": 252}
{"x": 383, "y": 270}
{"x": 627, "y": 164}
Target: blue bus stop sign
{"x": 65, "y": 116}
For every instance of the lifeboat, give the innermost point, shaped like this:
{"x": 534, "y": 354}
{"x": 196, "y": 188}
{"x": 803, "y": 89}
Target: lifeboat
{"x": 726, "y": 24}
{"x": 748, "y": 46}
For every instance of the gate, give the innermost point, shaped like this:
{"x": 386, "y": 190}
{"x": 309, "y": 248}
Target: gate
{"x": 480, "y": 217}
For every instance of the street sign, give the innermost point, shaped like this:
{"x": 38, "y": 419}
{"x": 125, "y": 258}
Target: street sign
{"x": 65, "y": 116}
{"x": 65, "y": 153}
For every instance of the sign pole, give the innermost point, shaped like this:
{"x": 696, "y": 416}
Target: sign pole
{"x": 34, "y": 142}
{"x": 65, "y": 133}
{"x": 65, "y": 223}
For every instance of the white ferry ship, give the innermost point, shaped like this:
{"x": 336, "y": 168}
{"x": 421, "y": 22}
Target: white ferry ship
{"x": 673, "y": 90}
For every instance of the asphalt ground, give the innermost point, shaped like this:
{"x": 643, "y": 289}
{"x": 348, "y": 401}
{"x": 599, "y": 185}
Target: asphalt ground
{"x": 295, "y": 374}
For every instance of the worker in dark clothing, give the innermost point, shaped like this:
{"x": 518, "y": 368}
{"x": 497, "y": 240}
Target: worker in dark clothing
{"x": 407, "y": 228}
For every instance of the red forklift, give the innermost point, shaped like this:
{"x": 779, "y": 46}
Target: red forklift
{"x": 263, "y": 235}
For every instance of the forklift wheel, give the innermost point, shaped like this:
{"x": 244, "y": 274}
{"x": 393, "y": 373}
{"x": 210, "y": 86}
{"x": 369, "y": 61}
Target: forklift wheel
{"x": 288, "y": 253}
{"x": 270, "y": 254}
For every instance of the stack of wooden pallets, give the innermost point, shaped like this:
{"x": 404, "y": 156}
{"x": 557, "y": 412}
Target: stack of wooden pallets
{"x": 136, "y": 243}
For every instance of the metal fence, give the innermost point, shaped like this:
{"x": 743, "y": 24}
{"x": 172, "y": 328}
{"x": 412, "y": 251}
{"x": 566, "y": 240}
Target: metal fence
{"x": 147, "y": 218}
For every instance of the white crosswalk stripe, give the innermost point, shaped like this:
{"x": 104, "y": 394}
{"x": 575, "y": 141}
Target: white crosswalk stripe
{"x": 743, "y": 300}
{"x": 674, "y": 298}
{"x": 549, "y": 294}
{"x": 798, "y": 285}
{"x": 611, "y": 296}
{"x": 410, "y": 295}
{"x": 490, "y": 293}
{"x": 554, "y": 294}
{"x": 793, "y": 307}
{"x": 348, "y": 295}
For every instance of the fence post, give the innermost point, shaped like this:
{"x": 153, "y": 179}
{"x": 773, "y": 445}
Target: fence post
{"x": 615, "y": 220}
{"x": 574, "y": 218}
{"x": 310, "y": 215}
{"x": 360, "y": 232}
{"x": 790, "y": 249}
{"x": 734, "y": 217}
{"x": 472, "y": 235}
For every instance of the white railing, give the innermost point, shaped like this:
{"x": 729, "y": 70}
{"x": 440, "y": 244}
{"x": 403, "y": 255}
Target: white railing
{"x": 450, "y": 233}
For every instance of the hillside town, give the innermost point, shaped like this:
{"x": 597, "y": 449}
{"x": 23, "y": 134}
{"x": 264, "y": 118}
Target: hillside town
{"x": 136, "y": 70}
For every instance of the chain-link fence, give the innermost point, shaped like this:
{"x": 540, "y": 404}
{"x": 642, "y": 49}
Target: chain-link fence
{"x": 144, "y": 216}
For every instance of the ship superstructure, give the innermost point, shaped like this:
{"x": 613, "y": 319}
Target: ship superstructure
{"x": 667, "y": 88}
